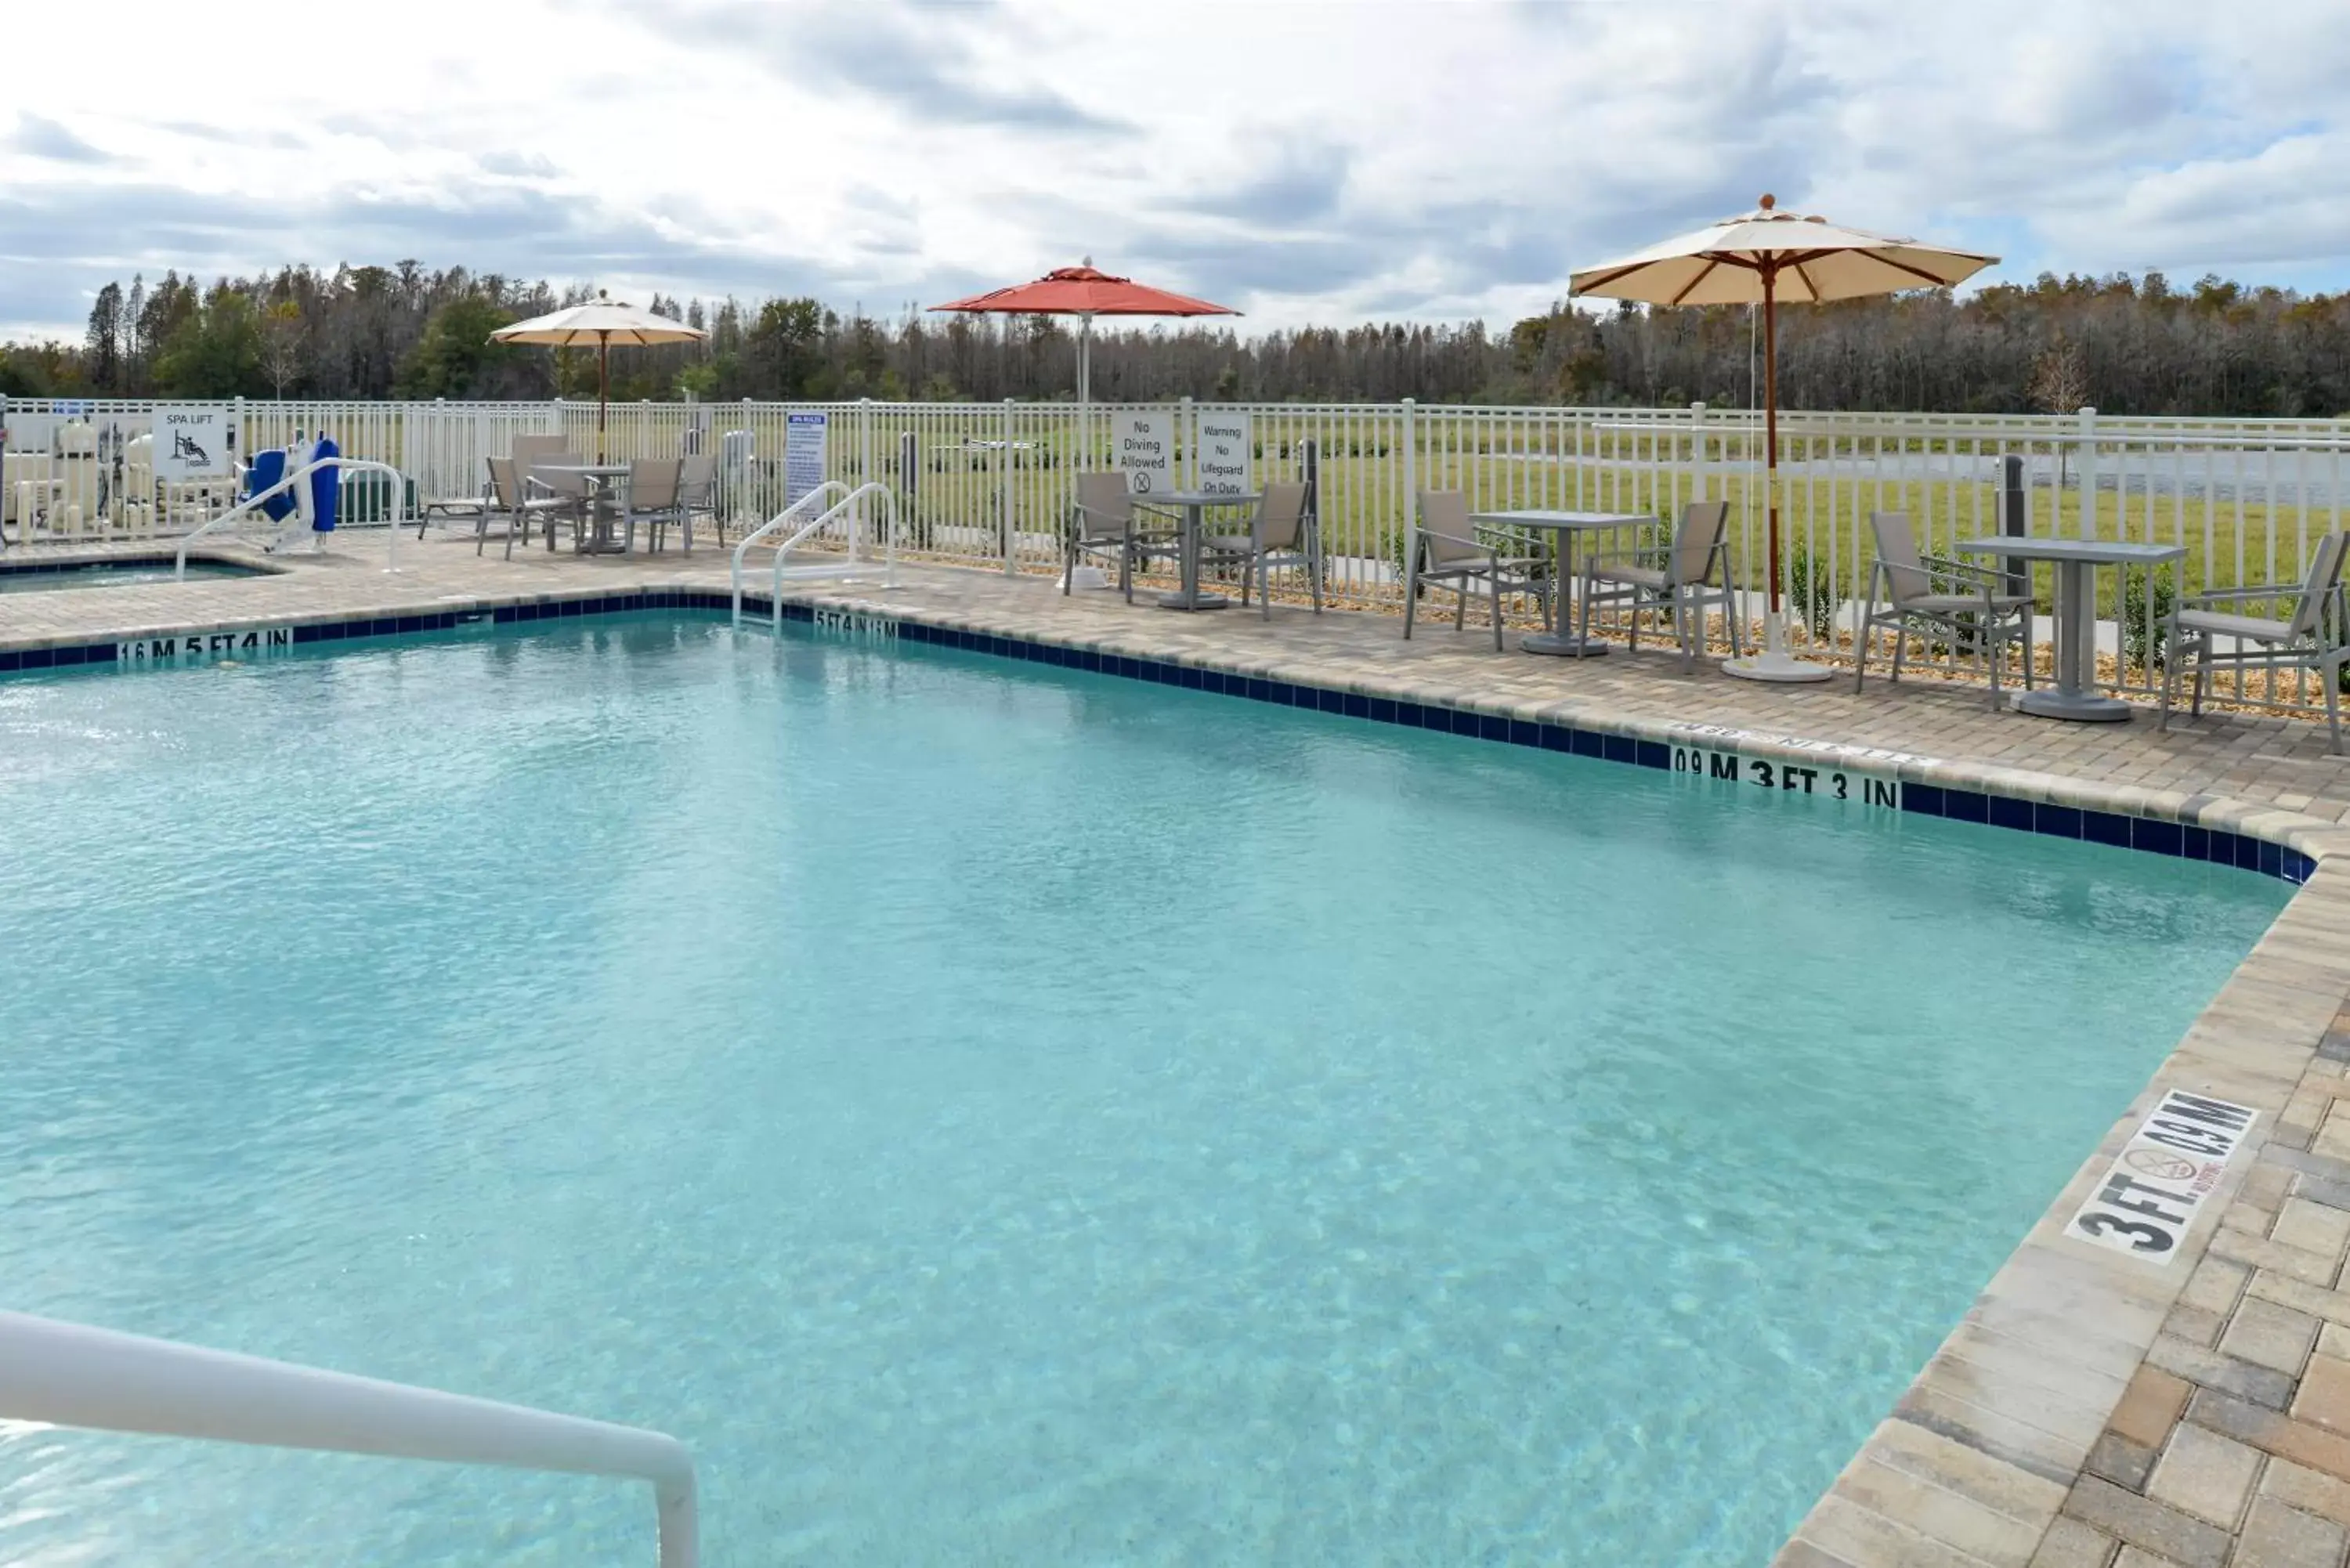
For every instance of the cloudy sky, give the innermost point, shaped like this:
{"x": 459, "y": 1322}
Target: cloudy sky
{"x": 1322, "y": 160}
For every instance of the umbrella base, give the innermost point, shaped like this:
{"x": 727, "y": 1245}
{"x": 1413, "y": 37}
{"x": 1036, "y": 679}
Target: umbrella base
{"x": 1776, "y": 666}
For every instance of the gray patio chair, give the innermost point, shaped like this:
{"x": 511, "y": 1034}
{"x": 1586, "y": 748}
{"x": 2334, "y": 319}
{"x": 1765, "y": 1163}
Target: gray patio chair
{"x": 696, "y": 491}
{"x": 1107, "y": 519}
{"x": 1969, "y": 604}
{"x": 1285, "y": 532}
{"x": 571, "y": 492}
{"x": 508, "y": 497}
{"x": 2314, "y": 635}
{"x": 527, "y": 449}
{"x": 1450, "y": 556}
{"x": 454, "y": 509}
{"x": 654, "y": 485}
{"x": 1682, "y": 577}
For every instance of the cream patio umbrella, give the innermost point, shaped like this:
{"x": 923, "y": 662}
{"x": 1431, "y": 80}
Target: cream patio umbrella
{"x": 602, "y": 324}
{"x": 1768, "y": 255}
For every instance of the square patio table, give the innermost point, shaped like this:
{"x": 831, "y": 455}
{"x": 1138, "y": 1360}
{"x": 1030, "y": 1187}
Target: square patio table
{"x": 1567, "y": 526}
{"x": 1194, "y": 502}
{"x": 2075, "y": 616}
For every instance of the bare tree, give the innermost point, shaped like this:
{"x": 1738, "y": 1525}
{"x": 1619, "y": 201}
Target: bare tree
{"x": 2060, "y": 385}
{"x": 281, "y": 343}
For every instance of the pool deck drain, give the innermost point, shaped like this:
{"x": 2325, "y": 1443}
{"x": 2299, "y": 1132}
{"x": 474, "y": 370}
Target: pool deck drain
{"x": 2092, "y": 1410}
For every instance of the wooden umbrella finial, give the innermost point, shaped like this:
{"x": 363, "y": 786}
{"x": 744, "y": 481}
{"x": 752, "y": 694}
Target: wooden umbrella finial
{"x": 1769, "y": 200}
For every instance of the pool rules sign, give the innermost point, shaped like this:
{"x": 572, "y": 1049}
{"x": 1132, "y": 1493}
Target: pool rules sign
{"x": 2170, "y": 1165}
{"x": 193, "y": 440}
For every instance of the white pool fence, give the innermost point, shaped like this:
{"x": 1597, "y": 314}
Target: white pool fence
{"x": 989, "y": 484}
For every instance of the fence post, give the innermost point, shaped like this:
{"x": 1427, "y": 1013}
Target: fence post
{"x": 2014, "y": 516}
{"x": 1411, "y": 497}
{"x": 1003, "y": 470}
{"x": 863, "y": 471}
{"x": 2087, "y": 474}
{"x": 1698, "y": 438}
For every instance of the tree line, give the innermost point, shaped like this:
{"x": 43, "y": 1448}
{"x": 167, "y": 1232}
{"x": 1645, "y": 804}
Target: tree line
{"x": 2126, "y": 345}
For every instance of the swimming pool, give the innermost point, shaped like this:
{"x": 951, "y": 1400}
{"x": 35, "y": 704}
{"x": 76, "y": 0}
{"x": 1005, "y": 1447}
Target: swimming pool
{"x": 996, "y": 1113}
{"x": 39, "y": 576}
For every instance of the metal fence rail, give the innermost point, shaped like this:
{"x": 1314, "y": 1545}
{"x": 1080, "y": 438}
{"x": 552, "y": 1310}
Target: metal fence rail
{"x": 989, "y": 484}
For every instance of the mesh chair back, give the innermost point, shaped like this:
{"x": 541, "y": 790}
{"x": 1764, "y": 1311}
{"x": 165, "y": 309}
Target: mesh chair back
{"x": 573, "y": 486}
{"x": 696, "y": 475}
{"x": 2324, "y": 572}
{"x": 1280, "y": 517}
{"x": 506, "y": 484}
{"x": 1108, "y": 507}
{"x": 653, "y": 483}
{"x": 1897, "y": 548}
{"x": 1446, "y": 533}
{"x": 527, "y": 450}
{"x": 1696, "y": 539}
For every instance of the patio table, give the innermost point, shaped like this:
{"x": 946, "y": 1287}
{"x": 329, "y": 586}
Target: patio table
{"x": 1566, "y": 525}
{"x": 2075, "y": 615}
{"x": 603, "y": 477}
{"x": 1194, "y": 502}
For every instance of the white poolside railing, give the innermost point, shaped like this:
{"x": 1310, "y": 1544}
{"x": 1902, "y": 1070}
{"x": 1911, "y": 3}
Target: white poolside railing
{"x": 989, "y": 484}
{"x": 69, "y": 1374}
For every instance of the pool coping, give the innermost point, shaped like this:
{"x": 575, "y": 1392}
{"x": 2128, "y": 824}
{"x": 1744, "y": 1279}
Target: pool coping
{"x": 1985, "y": 1457}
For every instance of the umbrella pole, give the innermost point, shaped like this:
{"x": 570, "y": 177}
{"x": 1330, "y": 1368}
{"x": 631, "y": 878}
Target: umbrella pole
{"x": 1085, "y": 392}
{"x": 603, "y": 387}
{"x": 1770, "y": 434}
{"x": 1775, "y": 662}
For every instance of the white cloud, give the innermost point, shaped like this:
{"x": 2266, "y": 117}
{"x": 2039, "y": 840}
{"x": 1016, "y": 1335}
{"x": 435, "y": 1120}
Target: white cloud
{"x": 1303, "y": 161}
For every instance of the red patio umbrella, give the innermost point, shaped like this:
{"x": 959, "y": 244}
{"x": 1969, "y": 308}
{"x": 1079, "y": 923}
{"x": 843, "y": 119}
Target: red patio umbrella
{"x": 1085, "y": 292}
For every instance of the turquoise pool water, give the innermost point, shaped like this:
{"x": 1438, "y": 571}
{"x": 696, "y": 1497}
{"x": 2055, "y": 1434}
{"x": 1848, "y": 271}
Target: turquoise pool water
{"x": 1002, "y": 1115}
{"x": 33, "y": 578}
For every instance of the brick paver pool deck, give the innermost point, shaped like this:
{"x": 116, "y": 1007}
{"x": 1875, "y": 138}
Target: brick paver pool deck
{"x": 2092, "y": 1410}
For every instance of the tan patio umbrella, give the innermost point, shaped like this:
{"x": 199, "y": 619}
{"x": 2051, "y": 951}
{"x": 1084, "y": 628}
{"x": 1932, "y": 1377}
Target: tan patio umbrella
{"x": 1768, "y": 255}
{"x": 603, "y": 324}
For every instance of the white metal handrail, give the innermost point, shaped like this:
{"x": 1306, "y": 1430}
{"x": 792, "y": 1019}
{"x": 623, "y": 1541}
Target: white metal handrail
{"x": 829, "y": 488}
{"x": 854, "y": 504}
{"x": 71, "y": 1375}
{"x": 358, "y": 464}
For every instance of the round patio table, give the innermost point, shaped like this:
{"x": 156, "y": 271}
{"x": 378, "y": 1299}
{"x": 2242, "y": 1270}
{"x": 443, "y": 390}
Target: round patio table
{"x": 603, "y": 477}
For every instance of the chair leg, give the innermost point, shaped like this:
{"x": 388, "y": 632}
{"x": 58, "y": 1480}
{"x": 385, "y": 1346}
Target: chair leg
{"x": 1495, "y": 583}
{"x": 2202, "y": 675}
{"x": 1995, "y": 649}
{"x": 1901, "y": 646}
{"x": 1264, "y": 589}
{"x": 2333, "y": 679}
{"x": 2169, "y": 685}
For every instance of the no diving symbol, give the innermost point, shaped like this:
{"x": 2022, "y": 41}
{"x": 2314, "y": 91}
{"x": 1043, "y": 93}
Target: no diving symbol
{"x": 2160, "y": 1164}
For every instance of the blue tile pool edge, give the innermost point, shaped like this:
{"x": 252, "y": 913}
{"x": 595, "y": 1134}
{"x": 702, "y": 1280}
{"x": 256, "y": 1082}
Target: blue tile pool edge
{"x": 1944, "y": 790}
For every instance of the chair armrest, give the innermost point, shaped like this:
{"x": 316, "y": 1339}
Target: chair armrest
{"x": 1971, "y": 574}
{"x": 2249, "y": 591}
{"x": 1641, "y": 555}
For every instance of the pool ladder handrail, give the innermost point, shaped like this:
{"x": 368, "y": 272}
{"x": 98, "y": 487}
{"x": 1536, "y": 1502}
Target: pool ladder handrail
{"x": 72, "y": 1374}
{"x": 851, "y": 501}
{"x": 285, "y": 484}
